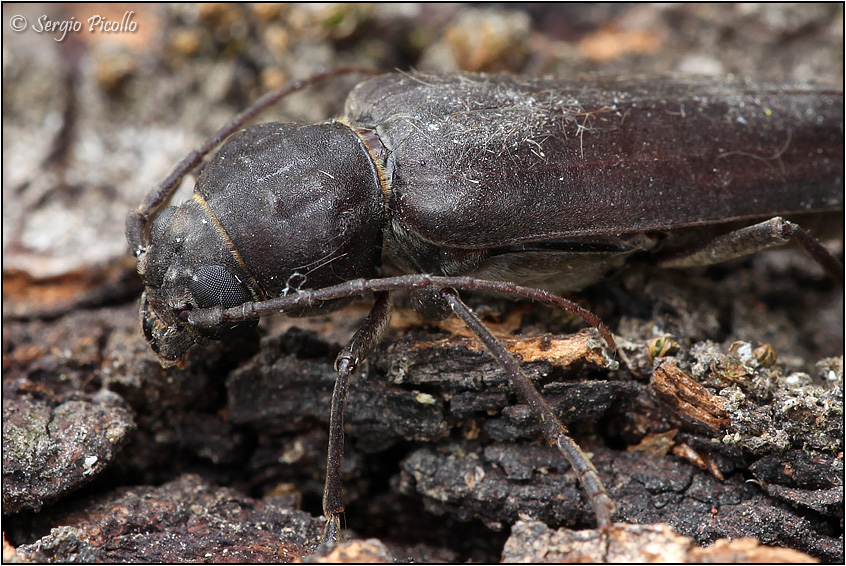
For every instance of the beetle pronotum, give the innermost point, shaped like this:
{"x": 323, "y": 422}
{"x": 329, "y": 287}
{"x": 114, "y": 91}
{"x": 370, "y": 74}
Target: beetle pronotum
{"x": 473, "y": 182}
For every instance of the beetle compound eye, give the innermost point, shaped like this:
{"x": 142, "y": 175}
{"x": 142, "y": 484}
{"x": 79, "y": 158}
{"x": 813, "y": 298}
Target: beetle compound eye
{"x": 161, "y": 222}
{"x": 213, "y": 285}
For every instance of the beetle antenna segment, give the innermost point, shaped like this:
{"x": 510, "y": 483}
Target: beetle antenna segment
{"x": 553, "y": 429}
{"x": 138, "y": 220}
{"x": 310, "y": 298}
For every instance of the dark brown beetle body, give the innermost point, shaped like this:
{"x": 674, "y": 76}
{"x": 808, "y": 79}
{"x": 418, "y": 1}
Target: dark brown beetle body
{"x": 479, "y": 182}
{"x": 532, "y": 181}
{"x": 479, "y": 169}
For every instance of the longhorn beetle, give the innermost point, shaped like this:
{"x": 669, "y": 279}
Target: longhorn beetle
{"x": 517, "y": 186}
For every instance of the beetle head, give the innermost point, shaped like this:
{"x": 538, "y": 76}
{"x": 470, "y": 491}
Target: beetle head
{"x": 188, "y": 265}
{"x": 279, "y": 208}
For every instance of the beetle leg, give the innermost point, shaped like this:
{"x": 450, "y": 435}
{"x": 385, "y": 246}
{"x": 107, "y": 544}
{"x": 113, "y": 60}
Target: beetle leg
{"x": 362, "y": 343}
{"x": 816, "y": 250}
{"x": 774, "y": 232}
{"x": 553, "y": 429}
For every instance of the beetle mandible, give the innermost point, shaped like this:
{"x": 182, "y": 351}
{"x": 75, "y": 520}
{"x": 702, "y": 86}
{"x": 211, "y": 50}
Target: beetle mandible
{"x": 523, "y": 187}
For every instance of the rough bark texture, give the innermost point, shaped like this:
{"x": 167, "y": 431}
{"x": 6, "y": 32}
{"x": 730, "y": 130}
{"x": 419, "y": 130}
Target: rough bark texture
{"x": 109, "y": 457}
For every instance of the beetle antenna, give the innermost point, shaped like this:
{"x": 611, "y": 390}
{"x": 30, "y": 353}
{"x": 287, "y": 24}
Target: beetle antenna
{"x": 310, "y": 298}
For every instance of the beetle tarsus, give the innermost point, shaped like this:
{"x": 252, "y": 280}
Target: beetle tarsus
{"x": 332, "y": 531}
{"x": 603, "y": 506}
